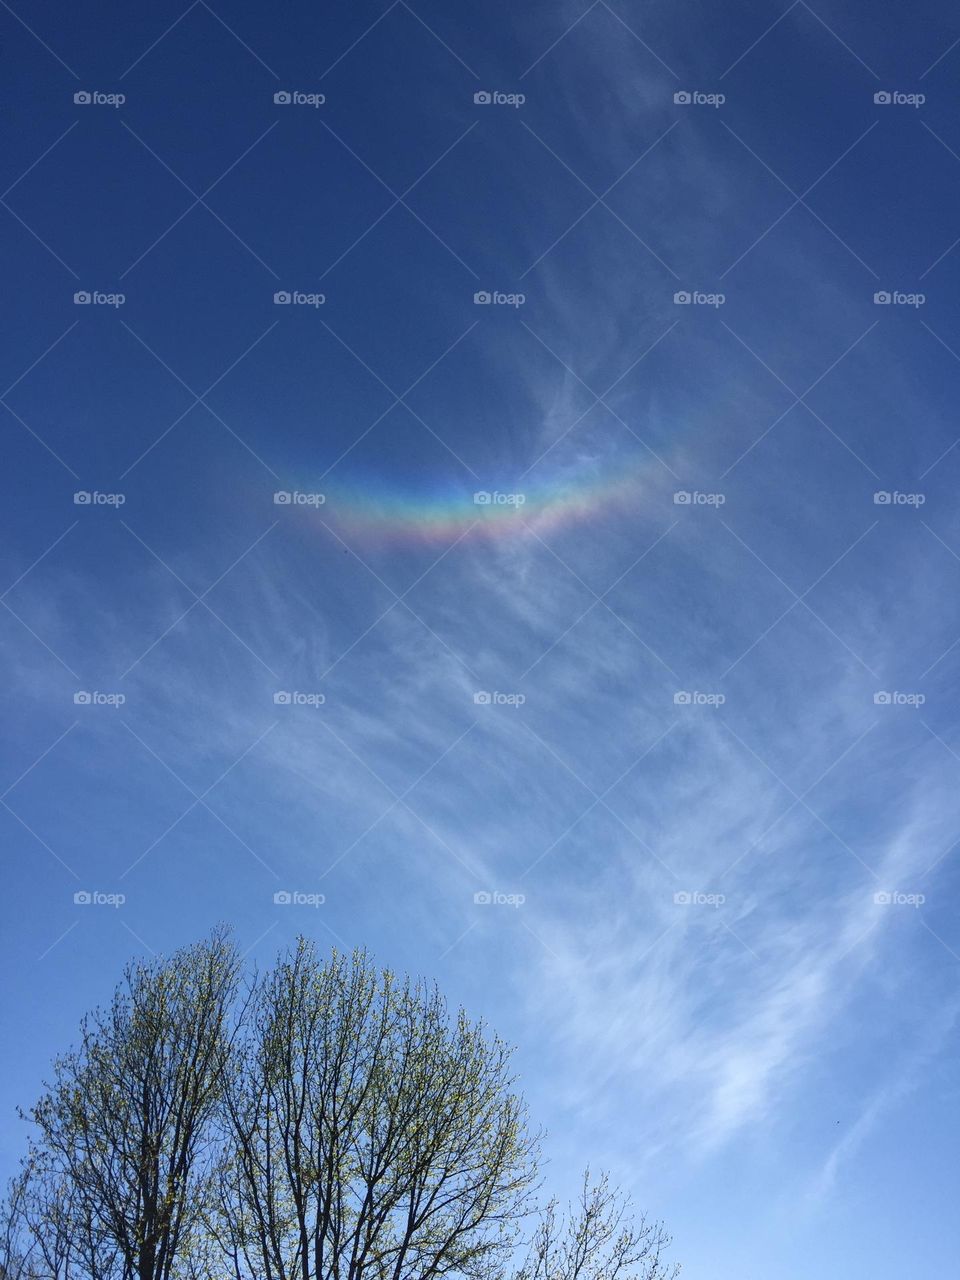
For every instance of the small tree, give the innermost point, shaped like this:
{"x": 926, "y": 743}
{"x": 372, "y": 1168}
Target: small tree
{"x": 120, "y": 1158}
{"x": 597, "y": 1240}
{"x": 16, "y": 1246}
{"x": 42, "y": 1236}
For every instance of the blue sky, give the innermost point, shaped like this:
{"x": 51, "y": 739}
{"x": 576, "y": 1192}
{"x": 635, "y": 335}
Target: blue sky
{"x": 713, "y": 600}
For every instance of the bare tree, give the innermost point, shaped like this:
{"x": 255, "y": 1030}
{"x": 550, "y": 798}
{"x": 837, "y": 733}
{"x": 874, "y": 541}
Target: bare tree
{"x": 121, "y": 1153}
{"x": 42, "y": 1236}
{"x": 597, "y": 1240}
{"x": 16, "y": 1245}
{"x": 373, "y": 1135}
{"x": 339, "y": 1123}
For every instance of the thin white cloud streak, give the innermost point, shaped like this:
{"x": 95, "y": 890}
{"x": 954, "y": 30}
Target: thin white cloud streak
{"x": 904, "y": 1081}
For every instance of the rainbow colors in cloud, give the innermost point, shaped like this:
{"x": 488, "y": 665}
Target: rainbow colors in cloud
{"x": 376, "y": 509}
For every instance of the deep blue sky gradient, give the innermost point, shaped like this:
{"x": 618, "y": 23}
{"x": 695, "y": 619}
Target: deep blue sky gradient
{"x": 775, "y": 1075}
